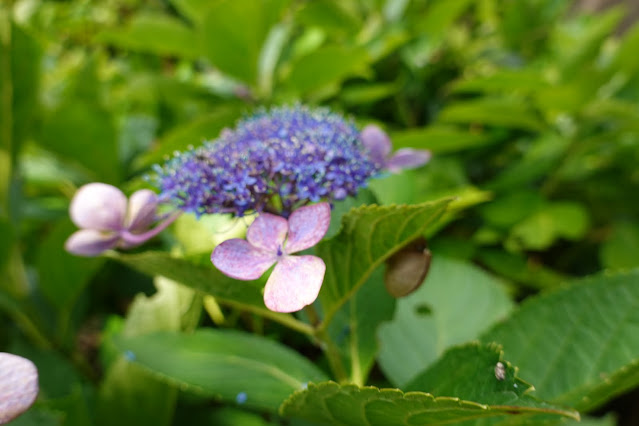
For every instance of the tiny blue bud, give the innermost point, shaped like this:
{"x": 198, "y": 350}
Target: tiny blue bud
{"x": 241, "y": 398}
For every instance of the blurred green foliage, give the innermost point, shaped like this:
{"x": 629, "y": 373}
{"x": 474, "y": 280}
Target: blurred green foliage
{"x": 530, "y": 109}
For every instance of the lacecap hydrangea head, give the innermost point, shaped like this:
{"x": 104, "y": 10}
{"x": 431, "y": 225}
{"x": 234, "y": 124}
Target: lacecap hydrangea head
{"x": 275, "y": 161}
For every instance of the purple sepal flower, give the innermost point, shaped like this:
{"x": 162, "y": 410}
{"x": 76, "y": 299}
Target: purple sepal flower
{"x": 296, "y": 280}
{"x": 279, "y": 159}
{"x": 108, "y": 220}
{"x": 379, "y": 148}
{"x": 18, "y": 386}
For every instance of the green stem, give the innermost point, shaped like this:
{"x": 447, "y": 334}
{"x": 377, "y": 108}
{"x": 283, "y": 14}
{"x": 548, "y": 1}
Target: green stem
{"x": 331, "y": 351}
{"x": 332, "y": 354}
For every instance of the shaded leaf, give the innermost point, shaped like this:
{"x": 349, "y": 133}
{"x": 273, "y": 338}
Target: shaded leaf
{"x": 589, "y": 331}
{"x": 501, "y": 112}
{"x": 246, "y": 295}
{"x": 441, "y": 138}
{"x": 621, "y": 250}
{"x": 234, "y": 366}
{"x": 159, "y": 34}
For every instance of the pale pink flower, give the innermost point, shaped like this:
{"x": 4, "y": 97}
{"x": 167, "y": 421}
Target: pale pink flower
{"x": 379, "y": 148}
{"x": 108, "y": 220}
{"x": 18, "y": 386}
{"x": 296, "y": 280}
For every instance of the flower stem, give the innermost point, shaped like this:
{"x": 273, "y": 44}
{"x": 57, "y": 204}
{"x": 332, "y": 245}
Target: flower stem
{"x": 332, "y": 354}
{"x": 327, "y": 344}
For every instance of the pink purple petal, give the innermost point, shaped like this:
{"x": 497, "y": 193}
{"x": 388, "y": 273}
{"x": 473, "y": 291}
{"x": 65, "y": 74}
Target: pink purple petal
{"x": 307, "y": 226}
{"x": 377, "y": 142}
{"x": 407, "y": 158}
{"x": 267, "y": 232}
{"x": 238, "y": 259}
{"x": 89, "y": 242}
{"x": 18, "y": 386}
{"x": 130, "y": 239}
{"x": 294, "y": 283}
{"x": 142, "y": 210}
{"x": 98, "y": 206}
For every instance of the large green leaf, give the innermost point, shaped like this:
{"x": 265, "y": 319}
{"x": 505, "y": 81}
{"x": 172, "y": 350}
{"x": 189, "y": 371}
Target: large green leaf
{"x": 207, "y": 279}
{"x": 454, "y": 305}
{"x": 369, "y": 235}
{"x": 500, "y": 112}
{"x": 578, "y": 344}
{"x": 326, "y": 66}
{"x": 233, "y": 32}
{"x": 234, "y": 366}
{"x": 129, "y": 394}
{"x": 155, "y": 33}
{"x": 441, "y": 138}
{"x": 462, "y": 373}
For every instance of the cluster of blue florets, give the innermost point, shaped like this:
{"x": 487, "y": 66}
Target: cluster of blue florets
{"x": 276, "y": 160}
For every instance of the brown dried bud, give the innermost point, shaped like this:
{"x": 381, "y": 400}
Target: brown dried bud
{"x": 407, "y": 269}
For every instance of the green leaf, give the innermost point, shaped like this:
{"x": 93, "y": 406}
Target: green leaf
{"x": 354, "y": 327}
{"x": 503, "y": 81}
{"x": 621, "y": 250}
{"x": 538, "y": 161}
{"x": 329, "y": 15}
{"x": 578, "y": 344}
{"x": 246, "y": 295}
{"x": 129, "y": 394}
{"x": 233, "y": 33}
{"x": 455, "y": 304}
{"x": 193, "y": 133}
{"x": 441, "y": 138}
{"x": 540, "y": 230}
{"x": 369, "y": 235}
{"x": 225, "y": 364}
{"x": 159, "y": 34}
{"x": 470, "y": 372}
{"x": 63, "y": 276}
{"x": 499, "y": 112}
{"x": 515, "y": 266}
{"x": 83, "y": 131}
{"x": 328, "y": 65}
{"x": 349, "y": 405}
{"x": 206, "y": 279}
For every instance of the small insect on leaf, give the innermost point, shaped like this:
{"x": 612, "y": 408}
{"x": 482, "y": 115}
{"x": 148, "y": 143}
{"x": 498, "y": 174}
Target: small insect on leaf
{"x": 407, "y": 269}
{"x": 500, "y": 371}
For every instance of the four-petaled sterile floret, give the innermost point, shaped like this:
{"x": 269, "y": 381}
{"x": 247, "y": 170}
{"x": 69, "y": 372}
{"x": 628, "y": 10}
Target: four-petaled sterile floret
{"x": 296, "y": 280}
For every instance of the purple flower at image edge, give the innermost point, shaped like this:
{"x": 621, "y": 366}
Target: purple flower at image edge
{"x": 107, "y": 219}
{"x": 18, "y": 386}
{"x": 296, "y": 280}
{"x": 379, "y": 146}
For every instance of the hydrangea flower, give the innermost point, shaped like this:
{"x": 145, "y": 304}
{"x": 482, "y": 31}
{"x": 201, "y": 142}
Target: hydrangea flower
{"x": 108, "y": 220}
{"x": 18, "y": 386}
{"x": 275, "y": 161}
{"x": 296, "y": 280}
{"x": 379, "y": 146}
